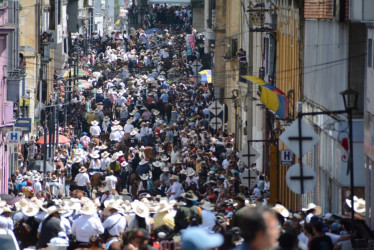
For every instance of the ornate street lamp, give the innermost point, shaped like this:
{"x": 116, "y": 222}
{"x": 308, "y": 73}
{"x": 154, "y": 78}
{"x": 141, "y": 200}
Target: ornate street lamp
{"x": 350, "y": 97}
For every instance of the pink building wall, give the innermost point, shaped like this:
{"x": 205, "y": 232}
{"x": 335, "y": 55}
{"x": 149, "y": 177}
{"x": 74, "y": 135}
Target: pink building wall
{"x": 4, "y": 127}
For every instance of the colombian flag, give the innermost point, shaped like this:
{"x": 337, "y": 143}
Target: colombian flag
{"x": 206, "y": 75}
{"x": 273, "y": 98}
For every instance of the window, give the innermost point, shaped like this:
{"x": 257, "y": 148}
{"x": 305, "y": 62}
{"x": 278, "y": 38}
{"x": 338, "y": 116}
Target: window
{"x": 370, "y": 52}
{"x": 234, "y": 47}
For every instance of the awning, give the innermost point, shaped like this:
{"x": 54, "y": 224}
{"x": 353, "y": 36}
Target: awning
{"x": 272, "y": 97}
{"x": 176, "y": 2}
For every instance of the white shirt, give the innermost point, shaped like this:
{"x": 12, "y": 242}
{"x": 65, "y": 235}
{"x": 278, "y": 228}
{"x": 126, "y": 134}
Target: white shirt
{"x": 86, "y": 226}
{"x": 115, "y": 136}
{"x": 37, "y": 187}
{"x": 95, "y": 131}
{"x": 111, "y": 181}
{"x": 225, "y": 163}
{"x": 143, "y": 131}
{"x": 303, "y": 238}
{"x": 208, "y": 220}
{"x": 105, "y": 162}
{"x": 54, "y": 187}
{"x": 266, "y": 185}
{"x": 117, "y": 222}
{"x": 177, "y": 189}
{"x": 192, "y": 180}
{"x": 95, "y": 165}
{"x": 105, "y": 126}
{"x": 128, "y": 128}
{"x": 6, "y": 222}
{"x": 65, "y": 225}
{"x": 82, "y": 179}
{"x": 173, "y": 156}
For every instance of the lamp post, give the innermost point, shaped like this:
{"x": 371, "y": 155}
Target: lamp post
{"x": 235, "y": 94}
{"x": 350, "y": 98}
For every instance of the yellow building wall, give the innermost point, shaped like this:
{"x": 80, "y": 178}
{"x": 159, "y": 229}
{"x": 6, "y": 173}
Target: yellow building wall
{"x": 288, "y": 78}
{"x": 233, "y": 31}
{"x": 28, "y": 39}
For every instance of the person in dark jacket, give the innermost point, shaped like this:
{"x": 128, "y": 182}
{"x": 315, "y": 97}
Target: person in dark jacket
{"x": 49, "y": 228}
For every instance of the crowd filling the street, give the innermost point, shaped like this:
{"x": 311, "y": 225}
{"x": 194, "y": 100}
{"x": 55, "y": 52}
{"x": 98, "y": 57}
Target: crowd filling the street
{"x": 136, "y": 164}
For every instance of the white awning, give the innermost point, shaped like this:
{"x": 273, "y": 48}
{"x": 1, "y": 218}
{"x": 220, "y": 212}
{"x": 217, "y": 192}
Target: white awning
{"x": 176, "y": 2}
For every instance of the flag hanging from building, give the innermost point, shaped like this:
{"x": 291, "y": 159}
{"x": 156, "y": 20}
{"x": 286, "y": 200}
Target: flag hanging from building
{"x": 275, "y": 100}
{"x": 117, "y": 23}
{"x": 272, "y": 97}
{"x": 206, "y": 75}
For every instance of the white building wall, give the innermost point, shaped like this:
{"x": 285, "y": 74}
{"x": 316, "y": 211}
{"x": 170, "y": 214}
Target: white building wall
{"x": 325, "y": 62}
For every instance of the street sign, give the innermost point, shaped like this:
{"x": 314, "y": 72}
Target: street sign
{"x": 286, "y": 158}
{"x": 248, "y": 155}
{"x": 291, "y": 137}
{"x": 196, "y": 66}
{"x": 84, "y": 60}
{"x": 216, "y": 123}
{"x": 23, "y": 124}
{"x": 301, "y": 180}
{"x": 216, "y": 108}
{"x": 14, "y": 137}
{"x": 249, "y": 178}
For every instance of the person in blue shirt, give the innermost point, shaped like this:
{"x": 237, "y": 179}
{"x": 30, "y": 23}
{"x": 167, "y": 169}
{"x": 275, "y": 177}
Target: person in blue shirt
{"x": 165, "y": 85}
{"x": 22, "y": 182}
{"x": 165, "y": 97}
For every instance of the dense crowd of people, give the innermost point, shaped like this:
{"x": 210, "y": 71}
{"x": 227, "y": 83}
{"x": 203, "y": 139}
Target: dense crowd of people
{"x": 144, "y": 169}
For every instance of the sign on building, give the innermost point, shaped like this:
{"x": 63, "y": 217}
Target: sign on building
{"x": 286, "y": 158}
{"x": 249, "y": 178}
{"x": 14, "y": 137}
